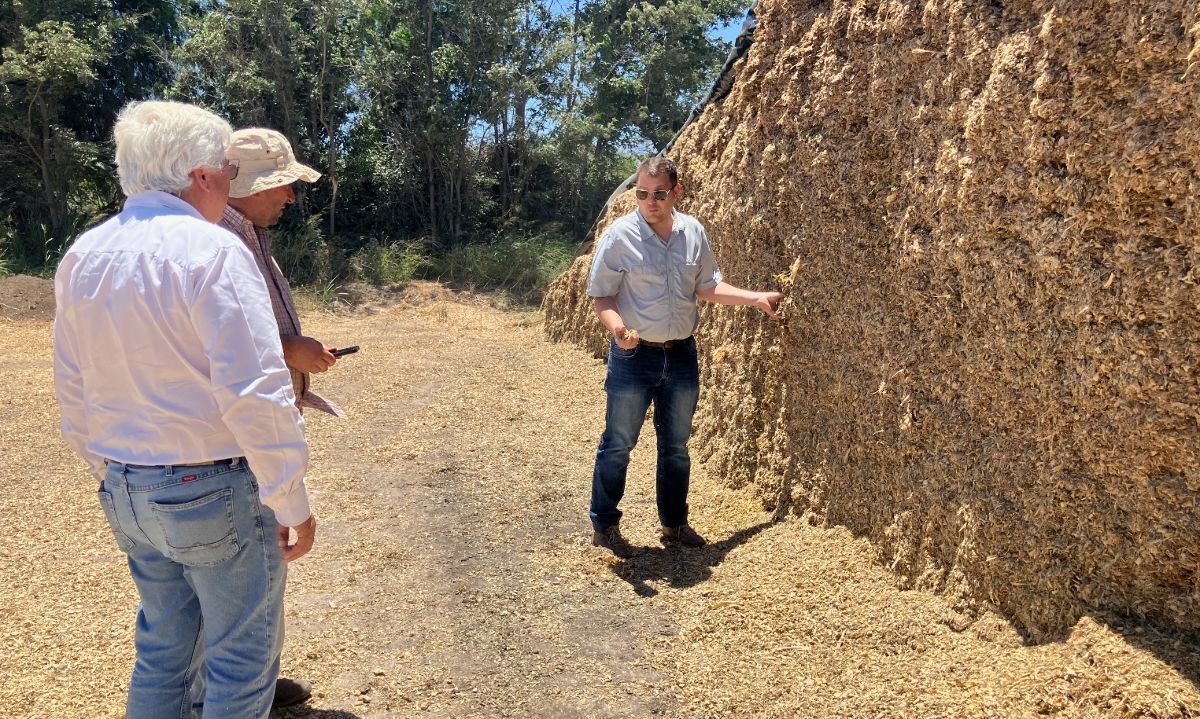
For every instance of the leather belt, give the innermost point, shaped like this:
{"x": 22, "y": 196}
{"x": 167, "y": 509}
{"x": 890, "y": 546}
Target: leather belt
{"x": 663, "y": 345}
{"x": 229, "y": 460}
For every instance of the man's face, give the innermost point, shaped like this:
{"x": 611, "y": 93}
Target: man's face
{"x": 653, "y": 209}
{"x": 265, "y": 208}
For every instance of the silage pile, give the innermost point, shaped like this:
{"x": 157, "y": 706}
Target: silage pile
{"x": 986, "y": 219}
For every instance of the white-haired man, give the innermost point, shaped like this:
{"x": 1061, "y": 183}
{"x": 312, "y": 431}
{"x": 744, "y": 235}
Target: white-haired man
{"x": 172, "y": 386}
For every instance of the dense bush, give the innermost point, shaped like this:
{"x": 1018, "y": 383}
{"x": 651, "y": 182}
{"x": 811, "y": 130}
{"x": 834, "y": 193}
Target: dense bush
{"x": 392, "y": 264}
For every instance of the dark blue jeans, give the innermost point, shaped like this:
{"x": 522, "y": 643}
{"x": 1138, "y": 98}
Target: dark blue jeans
{"x": 670, "y": 378}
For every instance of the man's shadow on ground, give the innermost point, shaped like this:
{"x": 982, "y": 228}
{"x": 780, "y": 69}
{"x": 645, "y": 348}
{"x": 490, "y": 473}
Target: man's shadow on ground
{"x": 308, "y": 712}
{"x": 682, "y": 567}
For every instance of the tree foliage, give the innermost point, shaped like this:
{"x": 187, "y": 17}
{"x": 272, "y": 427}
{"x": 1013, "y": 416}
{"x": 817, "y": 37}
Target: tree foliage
{"x": 67, "y": 67}
{"x": 437, "y": 124}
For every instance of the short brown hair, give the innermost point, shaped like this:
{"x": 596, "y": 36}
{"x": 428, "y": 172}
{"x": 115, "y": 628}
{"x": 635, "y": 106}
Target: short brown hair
{"x": 657, "y": 165}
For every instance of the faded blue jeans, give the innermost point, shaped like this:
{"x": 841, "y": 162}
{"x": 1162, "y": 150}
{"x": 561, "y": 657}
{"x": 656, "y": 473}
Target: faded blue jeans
{"x": 204, "y": 556}
{"x": 670, "y": 379}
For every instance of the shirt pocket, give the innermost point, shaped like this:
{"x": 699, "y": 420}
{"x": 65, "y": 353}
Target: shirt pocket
{"x": 647, "y": 284}
{"x": 689, "y": 276}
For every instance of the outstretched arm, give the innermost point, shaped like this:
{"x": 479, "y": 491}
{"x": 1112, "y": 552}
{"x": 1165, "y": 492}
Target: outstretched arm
{"x": 726, "y": 294}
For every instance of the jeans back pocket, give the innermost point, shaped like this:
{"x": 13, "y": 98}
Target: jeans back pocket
{"x": 199, "y": 533}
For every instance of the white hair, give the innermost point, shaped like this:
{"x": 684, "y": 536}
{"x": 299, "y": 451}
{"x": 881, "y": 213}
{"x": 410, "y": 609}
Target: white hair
{"x": 159, "y": 143}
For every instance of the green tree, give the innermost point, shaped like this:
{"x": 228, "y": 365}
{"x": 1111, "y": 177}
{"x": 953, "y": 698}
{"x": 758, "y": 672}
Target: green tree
{"x": 287, "y": 65}
{"x": 630, "y": 74}
{"x": 67, "y": 67}
{"x": 49, "y": 64}
{"x": 433, "y": 78}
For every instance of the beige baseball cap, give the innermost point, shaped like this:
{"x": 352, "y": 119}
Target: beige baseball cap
{"x": 264, "y": 159}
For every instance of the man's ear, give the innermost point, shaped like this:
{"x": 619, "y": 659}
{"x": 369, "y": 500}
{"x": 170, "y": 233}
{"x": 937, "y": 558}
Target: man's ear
{"x": 679, "y": 191}
{"x": 201, "y": 178}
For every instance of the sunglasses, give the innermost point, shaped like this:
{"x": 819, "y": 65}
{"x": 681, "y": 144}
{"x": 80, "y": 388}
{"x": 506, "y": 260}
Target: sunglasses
{"x": 659, "y": 195}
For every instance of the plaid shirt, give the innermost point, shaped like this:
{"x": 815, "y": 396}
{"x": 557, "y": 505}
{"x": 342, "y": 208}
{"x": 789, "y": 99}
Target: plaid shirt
{"x": 259, "y": 243}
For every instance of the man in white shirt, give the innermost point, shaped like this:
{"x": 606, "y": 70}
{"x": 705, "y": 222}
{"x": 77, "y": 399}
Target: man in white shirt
{"x": 172, "y": 386}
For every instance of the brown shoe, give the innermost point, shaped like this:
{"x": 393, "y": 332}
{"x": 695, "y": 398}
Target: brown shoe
{"x": 290, "y": 692}
{"x": 612, "y": 540}
{"x": 683, "y": 534}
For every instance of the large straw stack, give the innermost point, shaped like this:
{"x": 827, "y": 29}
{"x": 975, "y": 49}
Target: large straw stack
{"x": 986, "y": 219}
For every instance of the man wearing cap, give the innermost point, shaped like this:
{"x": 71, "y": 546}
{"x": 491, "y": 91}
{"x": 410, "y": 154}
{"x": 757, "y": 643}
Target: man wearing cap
{"x": 266, "y": 169}
{"x": 648, "y": 270}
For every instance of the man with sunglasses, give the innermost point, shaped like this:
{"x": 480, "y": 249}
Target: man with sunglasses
{"x": 648, "y": 271}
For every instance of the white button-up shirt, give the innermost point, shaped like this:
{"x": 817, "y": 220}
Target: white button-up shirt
{"x": 655, "y": 282}
{"x": 167, "y": 352}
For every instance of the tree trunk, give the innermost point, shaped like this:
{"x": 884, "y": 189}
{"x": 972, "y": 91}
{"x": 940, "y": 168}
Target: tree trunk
{"x": 506, "y": 193}
{"x": 326, "y": 116}
{"x": 54, "y": 201}
{"x": 427, "y": 9}
{"x": 572, "y": 80}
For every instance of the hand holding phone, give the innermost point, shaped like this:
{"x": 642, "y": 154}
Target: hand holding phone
{"x": 345, "y": 351}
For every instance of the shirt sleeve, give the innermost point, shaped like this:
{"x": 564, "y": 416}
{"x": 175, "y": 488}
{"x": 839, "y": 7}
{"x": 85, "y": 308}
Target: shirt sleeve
{"x": 605, "y": 279}
{"x": 68, "y": 384}
{"x": 710, "y": 275}
{"x": 231, "y": 312}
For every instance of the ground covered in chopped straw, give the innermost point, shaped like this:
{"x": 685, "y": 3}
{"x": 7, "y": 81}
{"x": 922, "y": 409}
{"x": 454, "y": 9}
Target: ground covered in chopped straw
{"x": 453, "y": 576}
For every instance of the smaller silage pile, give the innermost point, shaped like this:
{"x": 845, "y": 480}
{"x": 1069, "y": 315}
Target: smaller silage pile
{"x": 570, "y": 315}
{"x": 986, "y": 219}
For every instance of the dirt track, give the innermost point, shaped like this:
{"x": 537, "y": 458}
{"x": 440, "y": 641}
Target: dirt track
{"x": 453, "y": 578}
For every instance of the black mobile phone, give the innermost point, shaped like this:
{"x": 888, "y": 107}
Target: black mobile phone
{"x": 345, "y": 351}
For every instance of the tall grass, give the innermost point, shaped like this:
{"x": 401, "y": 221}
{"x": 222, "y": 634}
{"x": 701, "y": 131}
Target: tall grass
{"x": 300, "y": 249}
{"x": 6, "y": 241}
{"x": 34, "y": 248}
{"x": 392, "y": 264}
{"x": 521, "y": 264}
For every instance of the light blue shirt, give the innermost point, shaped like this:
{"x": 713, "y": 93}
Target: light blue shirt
{"x": 654, "y": 282}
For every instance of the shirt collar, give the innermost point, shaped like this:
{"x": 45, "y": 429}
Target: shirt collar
{"x": 239, "y": 223}
{"x": 163, "y": 200}
{"x": 648, "y": 232}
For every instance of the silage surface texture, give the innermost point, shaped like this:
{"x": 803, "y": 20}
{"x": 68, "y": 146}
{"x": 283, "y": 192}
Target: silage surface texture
{"x": 985, "y": 220}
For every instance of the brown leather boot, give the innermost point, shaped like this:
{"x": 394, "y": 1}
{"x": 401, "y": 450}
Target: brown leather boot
{"x": 612, "y": 540}
{"x": 290, "y": 692}
{"x": 683, "y": 534}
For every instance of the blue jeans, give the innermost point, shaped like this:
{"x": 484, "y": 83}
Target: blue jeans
{"x": 210, "y": 573}
{"x": 670, "y": 378}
